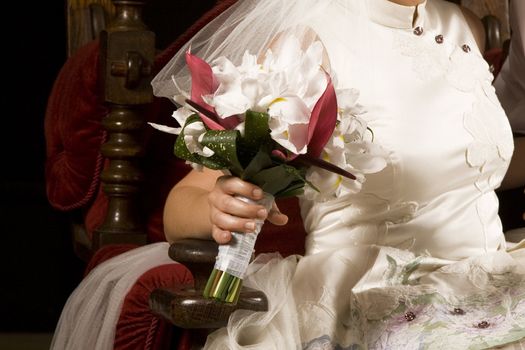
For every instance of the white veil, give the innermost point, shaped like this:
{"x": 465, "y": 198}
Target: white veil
{"x": 247, "y": 25}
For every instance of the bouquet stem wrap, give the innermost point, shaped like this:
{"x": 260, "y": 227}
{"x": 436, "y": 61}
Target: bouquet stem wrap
{"x": 225, "y": 281}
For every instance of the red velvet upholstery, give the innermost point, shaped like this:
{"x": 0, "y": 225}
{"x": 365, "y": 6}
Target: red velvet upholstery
{"x": 106, "y": 253}
{"x": 137, "y": 327}
{"x": 74, "y": 133}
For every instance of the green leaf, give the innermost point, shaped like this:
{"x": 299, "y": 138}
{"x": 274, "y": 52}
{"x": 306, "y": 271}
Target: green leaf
{"x": 256, "y": 130}
{"x": 224, "y": 144}
{"x": 213, "y": 162}
{"x": 180, "y": 149}
{"x": 294, "y": 189}
{"x": 259, "y": 162}
{"x": 276, "y": 179}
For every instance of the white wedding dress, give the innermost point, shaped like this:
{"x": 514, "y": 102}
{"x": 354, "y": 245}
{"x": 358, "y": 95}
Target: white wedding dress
{"x": 417, "y": 259}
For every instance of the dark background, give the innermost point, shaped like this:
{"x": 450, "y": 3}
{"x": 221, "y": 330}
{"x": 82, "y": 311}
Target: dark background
{"x": 37, "y": 267}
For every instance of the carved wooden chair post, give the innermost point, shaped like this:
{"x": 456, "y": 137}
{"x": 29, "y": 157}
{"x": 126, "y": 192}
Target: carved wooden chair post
{"x": 127, "y": 51}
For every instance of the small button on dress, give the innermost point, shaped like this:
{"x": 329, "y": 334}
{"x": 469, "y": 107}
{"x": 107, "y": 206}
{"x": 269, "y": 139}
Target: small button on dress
{"x": 418, "y": 31}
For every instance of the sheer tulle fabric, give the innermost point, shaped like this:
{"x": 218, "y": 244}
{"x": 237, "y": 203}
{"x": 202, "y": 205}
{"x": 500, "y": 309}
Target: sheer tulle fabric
{"x": 251, "y": 25}
{"x": 92, "y": 311}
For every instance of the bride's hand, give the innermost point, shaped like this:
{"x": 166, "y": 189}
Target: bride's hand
{"x": 229, "y": 214}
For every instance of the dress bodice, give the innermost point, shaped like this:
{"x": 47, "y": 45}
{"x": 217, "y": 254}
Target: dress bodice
{"x": 427, "y": 93}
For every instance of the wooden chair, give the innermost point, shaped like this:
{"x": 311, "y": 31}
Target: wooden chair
{"x": 118, "y": 73}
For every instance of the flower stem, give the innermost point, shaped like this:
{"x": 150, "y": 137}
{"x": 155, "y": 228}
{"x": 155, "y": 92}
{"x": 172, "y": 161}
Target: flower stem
{"x": 211, "y": 283}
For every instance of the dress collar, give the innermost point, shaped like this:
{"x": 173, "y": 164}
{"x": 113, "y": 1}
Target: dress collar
{"x": 393, "y": 15}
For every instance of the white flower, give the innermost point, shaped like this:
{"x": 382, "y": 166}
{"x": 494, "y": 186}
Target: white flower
{"x": 181, "y": 115}
{"x": 349, "y": 150}
{"x": 287, "y": 85}
{"x": 347, "y": 103}
{"x": 193, "y": 134}
{"x": 240, "y": 87}
{"x": 166, "y": 129}
{"x": 288, "y": 123}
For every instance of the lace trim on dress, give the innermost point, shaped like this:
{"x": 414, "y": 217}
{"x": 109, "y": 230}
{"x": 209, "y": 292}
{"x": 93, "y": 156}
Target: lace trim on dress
{"x": 430, "y": 60}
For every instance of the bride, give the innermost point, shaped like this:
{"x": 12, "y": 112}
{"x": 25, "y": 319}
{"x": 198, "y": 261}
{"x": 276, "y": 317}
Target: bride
{"x": 414, "y": 259}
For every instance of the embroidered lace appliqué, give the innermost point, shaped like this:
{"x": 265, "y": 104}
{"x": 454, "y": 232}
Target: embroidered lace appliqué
{"x": 404, "y": 313}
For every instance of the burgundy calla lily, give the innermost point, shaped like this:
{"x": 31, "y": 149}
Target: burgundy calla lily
{"x": 322, "y": 121}
{"x": 203, "y": 83}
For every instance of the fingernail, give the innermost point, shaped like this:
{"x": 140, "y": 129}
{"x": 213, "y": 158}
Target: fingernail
{"x": 225, "y": 235}
{"x": 250, "y": 226}
{"x": 257, "y": 193}
{"x": 261, "y": 214}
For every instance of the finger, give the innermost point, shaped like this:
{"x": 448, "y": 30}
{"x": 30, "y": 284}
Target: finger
{"x": 235, "y": 186}
{"x": 236, "y": 207}
{"x": 231, "y": 223}
{"x": 276, "y": 217}
{"x": 220, "y": 236}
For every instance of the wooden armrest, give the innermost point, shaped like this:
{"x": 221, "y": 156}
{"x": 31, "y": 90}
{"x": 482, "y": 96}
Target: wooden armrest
{"x": 198, "y": 256}
{"x": 186, "y": 307}
{"x": 492, "y": 32}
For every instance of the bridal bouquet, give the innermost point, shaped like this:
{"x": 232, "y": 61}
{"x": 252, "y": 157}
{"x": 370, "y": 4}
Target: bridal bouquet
{"x": 268, "y": 123}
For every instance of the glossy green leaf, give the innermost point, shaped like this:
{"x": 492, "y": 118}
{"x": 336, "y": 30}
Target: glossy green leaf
{"x": 275, "y": 179}
{"x": 180, "y": 149}
{"x": 224, "y": 144}
{"x": 256, "y": 130}
{"x": 259, "y": 162}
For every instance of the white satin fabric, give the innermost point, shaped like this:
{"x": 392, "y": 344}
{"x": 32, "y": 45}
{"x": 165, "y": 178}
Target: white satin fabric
{"x": 411, "y": 261}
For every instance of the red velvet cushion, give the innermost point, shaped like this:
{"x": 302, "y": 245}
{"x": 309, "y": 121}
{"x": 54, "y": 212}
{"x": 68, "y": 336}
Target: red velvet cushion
{"x": 74, "y": 133}
{"x": 137, "y": 327}
{"x": 106, "y": 253}
{"x": 288, "y": 239}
